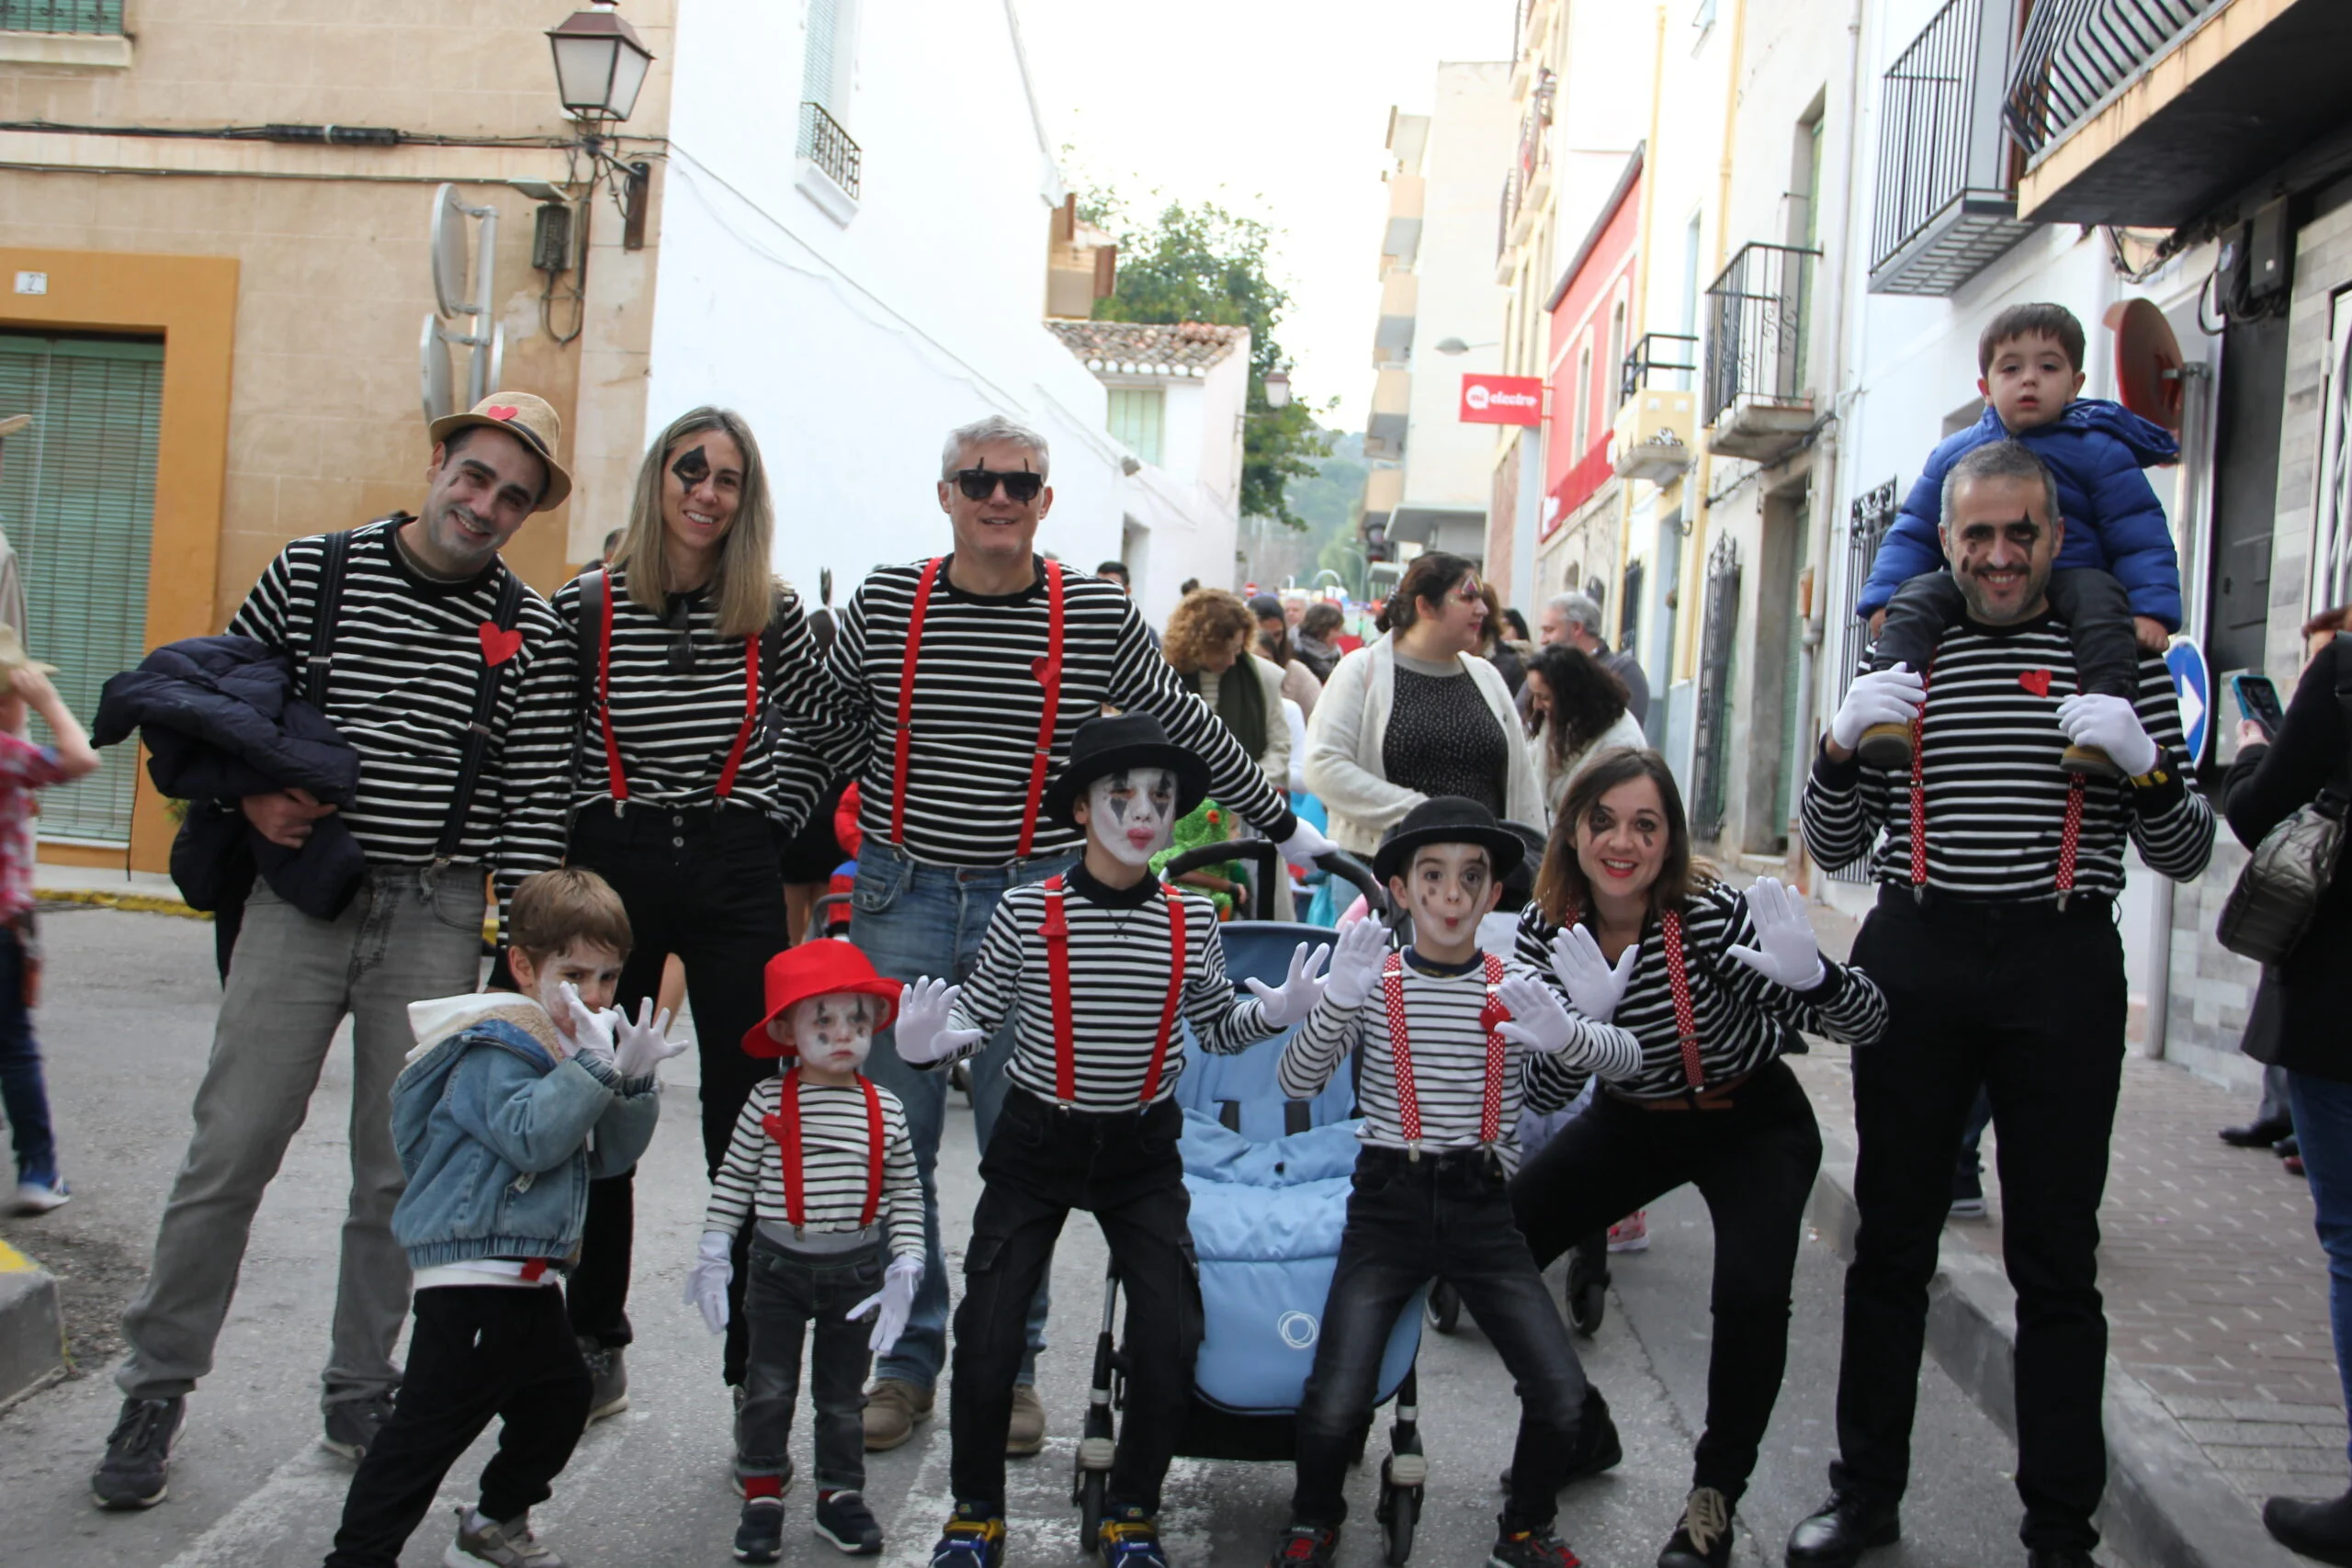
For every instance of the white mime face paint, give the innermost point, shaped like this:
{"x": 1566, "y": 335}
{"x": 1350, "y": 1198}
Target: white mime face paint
{"x": 834, "y": 1033}
{"x": 1132, "y": 814}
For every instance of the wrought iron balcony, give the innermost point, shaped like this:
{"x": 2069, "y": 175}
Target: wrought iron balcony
{"x": 1947, "y": 199}
{"x": 2074, "y": 53}
{"x": 824, "y": 143}
{"x": 1655, "y": 354}
{"x": 1754, "y": 398}
{"x": 61, "y": 15}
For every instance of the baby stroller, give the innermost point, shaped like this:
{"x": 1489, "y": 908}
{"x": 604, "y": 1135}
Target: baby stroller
{"x": 1269, "y": 1183}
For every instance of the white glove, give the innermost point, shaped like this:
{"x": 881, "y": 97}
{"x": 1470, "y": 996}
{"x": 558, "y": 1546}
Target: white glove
{"x": 1291, "y": 1001}
{"x": 1355, "y": 964}
{"x": 1785, "y": 953}
{"x": 2112, "y": 725}
{"x": 707, "y": 1280}
{"x": 1595, "y": 986}
{"x": 639, "y": 1047}
{"x": 1882, "y": 696}
{"x": 924, "y": 1035}
{"x": 1537, "y": 1020}
{"x": 591, "y": 1032}
{"x": 1305, "y": 843}
{"x": 891, "y": 1303}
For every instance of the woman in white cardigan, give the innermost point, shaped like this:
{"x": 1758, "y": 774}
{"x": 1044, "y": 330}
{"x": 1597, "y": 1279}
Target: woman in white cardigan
{"x": 1415, "y": 714}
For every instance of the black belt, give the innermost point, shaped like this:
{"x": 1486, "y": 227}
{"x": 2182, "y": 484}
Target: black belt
{"x": 1942, "y": 904}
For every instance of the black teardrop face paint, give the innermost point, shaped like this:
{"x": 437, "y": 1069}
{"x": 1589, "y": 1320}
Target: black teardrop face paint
{"x": 691, "y": 468}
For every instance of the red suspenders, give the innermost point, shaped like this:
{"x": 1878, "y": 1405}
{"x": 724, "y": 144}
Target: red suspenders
{"x": 1400, "y": 1053}
{"x": 785, "y": 1128}
{"x": 1677, "y": 981}
{"x": 1056, "y": 930}
{"x": 613, "y": 772}
{"x": 2069, "y": 837}
{"x": 1048, "y": 670}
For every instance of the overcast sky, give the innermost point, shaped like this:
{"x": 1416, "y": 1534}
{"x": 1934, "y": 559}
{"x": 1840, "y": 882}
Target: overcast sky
{"x": 1274, "y": 108}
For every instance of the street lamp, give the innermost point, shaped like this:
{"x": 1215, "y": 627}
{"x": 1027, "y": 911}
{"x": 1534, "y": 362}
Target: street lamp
{"x": 1277, "y": 389}
{"x": 600, "y": 62}
{"x": 1455, "y": 345}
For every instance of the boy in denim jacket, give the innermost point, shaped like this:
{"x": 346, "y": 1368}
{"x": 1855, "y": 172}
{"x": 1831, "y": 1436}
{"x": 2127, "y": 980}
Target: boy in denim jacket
{"x": 508, "y": 1107}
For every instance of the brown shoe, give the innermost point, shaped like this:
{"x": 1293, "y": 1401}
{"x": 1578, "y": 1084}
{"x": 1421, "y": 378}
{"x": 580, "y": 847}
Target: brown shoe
{"x": 1885, "y": 746}
{"x": 1026, "y": 1435}
{"x": 893, "y": 1406}
{"x": 2090, "y": 762}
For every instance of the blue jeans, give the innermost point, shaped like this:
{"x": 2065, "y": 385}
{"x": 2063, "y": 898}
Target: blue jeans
{"x": 912, "y": 920}
{"x": 2324, "y": 1131}
{"x": 23, "y": 1097}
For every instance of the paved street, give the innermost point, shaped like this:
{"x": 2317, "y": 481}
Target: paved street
{"x": 131, "y": 999}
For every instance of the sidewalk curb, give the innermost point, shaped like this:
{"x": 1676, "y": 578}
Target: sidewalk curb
{"x": 143, "y": 903}
{"x": 32, "y": 1331}
{"x": 2166, "y": 1505}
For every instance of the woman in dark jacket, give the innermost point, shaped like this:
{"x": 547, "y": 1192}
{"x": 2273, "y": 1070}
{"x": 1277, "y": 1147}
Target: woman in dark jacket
{"x": 2313, "y": 990}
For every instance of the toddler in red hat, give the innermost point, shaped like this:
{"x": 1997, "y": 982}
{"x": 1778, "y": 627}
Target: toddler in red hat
{"x": 822, "y": 1162}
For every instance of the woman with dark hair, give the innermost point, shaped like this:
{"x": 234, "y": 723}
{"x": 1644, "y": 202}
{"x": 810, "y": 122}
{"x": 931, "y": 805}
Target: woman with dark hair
{"x": 1497, "y": 649}
{"x": 1576, "y": 711}
{"x": 1317, "y": 627}
{"x": 1640, "y": 934}
{"x": 1300, "y": 684}
{"x": 1417, "y": 714}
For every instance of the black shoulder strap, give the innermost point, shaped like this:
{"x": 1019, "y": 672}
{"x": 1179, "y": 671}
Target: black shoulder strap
{"x": 510, "y": 606}
{"x": 2340, "y": 782}
{"x": 337, "y": 552}
{"x": 594, "y": 583}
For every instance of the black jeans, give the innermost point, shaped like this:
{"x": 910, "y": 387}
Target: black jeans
{"x": 476, "y": 1351}
{"x": 2029, "y": 1002}
{"x": 1041, "y": 1163}
{"x": 788, "y": 1295}
{"x": 701, "y": 884}
{"x": 1447, "y": 1217}
{"x": 1754, "y": 1163}
{"x": 2094, "y": 606}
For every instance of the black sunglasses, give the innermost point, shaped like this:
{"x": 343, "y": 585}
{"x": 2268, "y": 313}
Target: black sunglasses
{"x": 1020, "y": 488}
{"x": 680, "y": 620}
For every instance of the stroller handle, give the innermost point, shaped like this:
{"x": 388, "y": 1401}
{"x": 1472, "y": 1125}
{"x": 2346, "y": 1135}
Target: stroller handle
{"x": 1266, "y": 856}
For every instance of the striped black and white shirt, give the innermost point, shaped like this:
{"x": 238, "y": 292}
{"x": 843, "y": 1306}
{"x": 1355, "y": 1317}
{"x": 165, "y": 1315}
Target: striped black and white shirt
{"x": 1120, "y": 946}
{"x": 1444, "y": 1005}
{"x": 677, "y": 727}
{"x": 1741, "y": 1018}
{"x": 1996, "y": 796}
{"x": 408, "y": 656}
{"x": 834, "y": 1162}
{"x": 977, "y": 705}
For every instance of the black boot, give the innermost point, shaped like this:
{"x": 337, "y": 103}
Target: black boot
{"x": 1598, "y": 1446}
{"x": 1841, "y": 1531}
{"x": 2258, "y": 1134}
{"x": 2319, "y": 1530}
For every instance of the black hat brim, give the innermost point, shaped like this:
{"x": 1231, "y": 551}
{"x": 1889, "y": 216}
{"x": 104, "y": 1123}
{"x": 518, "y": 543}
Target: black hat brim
{"x": 1192, "y": 776}
{"x": 1504, "y": 848}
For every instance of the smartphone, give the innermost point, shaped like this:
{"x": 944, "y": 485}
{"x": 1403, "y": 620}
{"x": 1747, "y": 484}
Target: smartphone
{"x": 2258, "y": 700}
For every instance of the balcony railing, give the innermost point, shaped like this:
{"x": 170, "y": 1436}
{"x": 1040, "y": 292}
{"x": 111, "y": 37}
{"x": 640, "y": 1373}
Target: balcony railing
{"x": 1947, "y": 204}
{"x": 824, "y": 143}
{"x": 2075, "y": 52}
{"x": 1656, "y": 354}
{"x": 61, "y": 15}
{"x": 1755, "y": 330}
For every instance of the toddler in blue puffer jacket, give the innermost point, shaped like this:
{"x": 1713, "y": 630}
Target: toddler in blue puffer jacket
{"x": 2118, "y": 582}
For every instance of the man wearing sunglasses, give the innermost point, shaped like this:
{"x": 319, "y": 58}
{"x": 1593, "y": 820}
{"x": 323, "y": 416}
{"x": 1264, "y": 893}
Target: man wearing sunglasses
{"x": 943, "y": 669}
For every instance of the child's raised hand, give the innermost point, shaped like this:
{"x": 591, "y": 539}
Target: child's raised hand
{"x": 707, "y": 1280}
{"x": 1537, "y": 1020}
{"x": 31, "y": 685}
{"x": 1355, "y": 964}
{"x": 590, "y": 1032}
{"x": 640, "y": 1047}
{"x": 924, "y": 1035}
{"x": 1291, "y": 1001}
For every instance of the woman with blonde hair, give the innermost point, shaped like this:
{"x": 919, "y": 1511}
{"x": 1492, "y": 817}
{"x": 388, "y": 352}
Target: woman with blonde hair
{"x": 1208, "y": 646}
{"x": 691, "y": 654}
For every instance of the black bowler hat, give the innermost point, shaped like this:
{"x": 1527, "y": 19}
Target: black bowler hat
{"x": 1447, "y": 819}
{"x": 1121, "y": 743}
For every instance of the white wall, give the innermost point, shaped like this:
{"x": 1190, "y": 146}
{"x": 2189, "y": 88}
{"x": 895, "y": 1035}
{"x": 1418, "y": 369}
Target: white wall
{"x": 853, "y": 349}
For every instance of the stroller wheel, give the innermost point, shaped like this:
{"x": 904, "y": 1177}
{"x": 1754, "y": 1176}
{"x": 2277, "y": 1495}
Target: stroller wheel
{"x": 1091, "y": 1486}
{"x": 1587, "y": 1306}
{"x": 1444, "y": 1311}
{"x": 1398, "y": 1511}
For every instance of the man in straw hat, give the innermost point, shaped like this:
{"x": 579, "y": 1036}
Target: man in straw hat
{"x": 442, "y": 669}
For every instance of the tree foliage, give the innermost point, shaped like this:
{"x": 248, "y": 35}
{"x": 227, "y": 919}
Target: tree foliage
{"x": 1201, "y": 262}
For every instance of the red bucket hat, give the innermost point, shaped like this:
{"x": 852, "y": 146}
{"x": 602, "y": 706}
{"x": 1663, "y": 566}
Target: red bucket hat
{"x": 820, "y": 968}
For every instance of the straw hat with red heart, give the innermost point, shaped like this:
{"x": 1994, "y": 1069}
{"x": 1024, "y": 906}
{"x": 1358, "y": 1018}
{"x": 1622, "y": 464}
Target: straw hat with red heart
{"x": 820, "y": 968}
{"x": 527, "y": 419}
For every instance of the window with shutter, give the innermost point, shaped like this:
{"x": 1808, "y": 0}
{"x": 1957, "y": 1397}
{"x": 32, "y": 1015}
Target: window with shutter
{"x": 821, "y": 74}
{"x": 1139, "y": 416}
{"x": 78, "y": 499}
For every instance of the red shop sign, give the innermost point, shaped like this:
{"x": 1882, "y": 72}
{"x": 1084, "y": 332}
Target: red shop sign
{"x": 1502, "y": 399}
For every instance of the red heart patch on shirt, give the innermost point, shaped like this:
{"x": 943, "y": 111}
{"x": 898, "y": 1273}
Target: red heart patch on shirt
{"x": 2036, "y": 681}
{"x": 497, "y": 410}
{"x": 498, "y": 647}
{"x": 1039, "y": 666}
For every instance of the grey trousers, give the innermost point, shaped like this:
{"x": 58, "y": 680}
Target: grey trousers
{"x": 407, "y": 935}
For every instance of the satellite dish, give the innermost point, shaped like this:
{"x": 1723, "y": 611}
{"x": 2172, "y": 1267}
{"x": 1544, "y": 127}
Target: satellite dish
{"x": 448, "y": 245}
{"x": 433, "y": 372}
{"x": 496, "y": 357}
{"x": 2147, "y": 362}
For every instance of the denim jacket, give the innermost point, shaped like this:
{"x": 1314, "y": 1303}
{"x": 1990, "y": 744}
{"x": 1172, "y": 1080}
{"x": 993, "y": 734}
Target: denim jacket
{"x": 500, "y": 1131}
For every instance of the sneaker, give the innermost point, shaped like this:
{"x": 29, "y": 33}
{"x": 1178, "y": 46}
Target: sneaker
{"x": 1886, "y": 746}
{"x": 1532, "y": 1548}
{"x": 893, "y": 1406}
{"x": 1026, "y": 1432}
{"x": 844, "y": 1519}
{"x": 1968, "y": 1208}
{"x": 758, "y": 1530}
{"x": 1704, "y": 1537}
{"x": 1130, "y": 1537}
{"x": 40, "y": 1197}
{"x": 970, "y": 1539}
{"x": 1630, "y": 1233}
{"x": 510, "y": 1545}
{"x": 1303, "y": 1546}
{"x": 607, "y": 1379}
{"x": 139, "y": 1453}
{"x": 352, "y": 1425}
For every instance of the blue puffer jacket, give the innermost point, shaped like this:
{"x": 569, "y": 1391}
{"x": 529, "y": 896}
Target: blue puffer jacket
{"x": 500, "y": 1134}
{"x": 2096, "y": 450}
